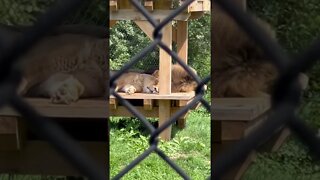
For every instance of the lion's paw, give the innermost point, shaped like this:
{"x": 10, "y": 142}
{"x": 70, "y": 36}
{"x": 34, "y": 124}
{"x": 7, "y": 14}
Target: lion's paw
{"x": 67, "y": 92}
{"x": 130, "y": 90}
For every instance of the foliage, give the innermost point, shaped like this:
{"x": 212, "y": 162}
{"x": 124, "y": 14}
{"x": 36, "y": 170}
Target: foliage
{"x": 297, "y": 25}
{"x": 126, "y": 40}
{"x": 21, "y": 11}
{"x": 189, "y": 148}
{"x": 25, "y": 12}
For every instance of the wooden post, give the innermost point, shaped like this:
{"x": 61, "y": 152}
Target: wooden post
{"x": 182, "y": 48}
{"x": 182, "y": 40}
{"x": 165, "y": 81}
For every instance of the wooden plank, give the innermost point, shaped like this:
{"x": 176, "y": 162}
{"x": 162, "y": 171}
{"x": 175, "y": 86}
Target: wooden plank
{"x": 276, "y": 141}
{"x": 9, "y": 133}
{"x": 174, "y": 34}
{"x": 125, "y": 4}
{"x": 164, "y": 4}
{"x": 172, "y": 96}
{"x": 113, "y": 103}
{"x": 216, "y": 131}
{"x": 256, "y": 123}
{"x": 148, "y": 5}
{"x": 38, "y": 157}
{"x": 148, "y": 104}
{"x": 183, "y": 103}
{"x": 146, "y": 27}
{"x": 130, "y": 14}
{"x": 241, "y": 109}
{"x": 164, "y": 115}
{"x": 165, "y": 81}
{"x": 165, "y": 62}
{"x": 182, "y": 40}
{"x": 199, "y": 6}
{"x": 84, "y": 108}
{"x": 232, "y": 130}
{"x": 112, "y": 23}
{"x": 113, "y": 4}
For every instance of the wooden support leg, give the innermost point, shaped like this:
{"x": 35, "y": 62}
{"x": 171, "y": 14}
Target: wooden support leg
{"x": 112, "y": 23}
{"x": 181, "y": 123}
{"x": 164, "y": 115}
{"x": 9, "y": 137}
{"x": 165, "y": 81}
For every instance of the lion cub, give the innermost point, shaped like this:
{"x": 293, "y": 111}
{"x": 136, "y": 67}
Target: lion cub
{"x": 133, "y": 82}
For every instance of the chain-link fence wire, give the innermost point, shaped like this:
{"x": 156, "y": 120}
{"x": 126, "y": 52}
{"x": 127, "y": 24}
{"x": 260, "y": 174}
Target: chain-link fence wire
{"x": 10, "y": 76}
{"x": 154, "y": 133}
{"x": 285, "y": 98}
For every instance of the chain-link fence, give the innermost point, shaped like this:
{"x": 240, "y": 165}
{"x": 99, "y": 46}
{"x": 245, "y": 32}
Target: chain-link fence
{"x": 154, "y": 133}
{"x": 10, "y": 73}
{"x": 285, "y": 97}
{"x": 42, "y": 22}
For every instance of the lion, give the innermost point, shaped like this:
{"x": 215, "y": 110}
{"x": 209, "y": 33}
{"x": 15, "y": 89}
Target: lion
{"x": 133, "y": 82}
{"x": 181, "y": 80}
{"x": 65, "y": 67}
{"x": 240, "y": 67}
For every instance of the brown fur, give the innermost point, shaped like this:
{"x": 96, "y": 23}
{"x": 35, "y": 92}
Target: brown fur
{"x": 181, "y": 81}
{"x": 64, "y": 63}
{"x": 133, "y": 82}
{"x": 240, "y": 68}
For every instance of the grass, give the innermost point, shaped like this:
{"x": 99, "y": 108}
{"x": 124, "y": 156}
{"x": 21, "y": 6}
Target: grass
{"x": 189, "y": 148}
{"x": 297, "y": 25}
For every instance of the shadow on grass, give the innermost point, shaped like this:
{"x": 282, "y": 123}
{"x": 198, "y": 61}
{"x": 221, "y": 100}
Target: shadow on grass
{"x": 134, "y": 123}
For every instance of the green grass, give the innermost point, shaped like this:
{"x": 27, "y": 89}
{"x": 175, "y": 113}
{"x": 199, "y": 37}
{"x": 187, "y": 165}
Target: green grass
{"x": 297, "y": 24}
{"x": 189, "y": 148}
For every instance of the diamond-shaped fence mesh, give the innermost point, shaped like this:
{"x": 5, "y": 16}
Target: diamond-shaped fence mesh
{"x": 285, "y": 97}
{"x": 154, "y": 133}
{"x": 40, "y": 17}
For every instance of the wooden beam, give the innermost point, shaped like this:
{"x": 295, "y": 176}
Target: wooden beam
{"x": 164, "y": 115}
{"x": 113, "y": 4}
{"x": 130, "y": 14}
{"x": 171, "y": 96}
{"x": 165, "y": 81}
{"x": 182, "y": 40}
{"x": 146, "y": 27}
{"x": 149, "y": 5}
{"x": 112, "y": 23}
{"x": 239, "y": 109}
{"x": 9, "y": 140}
{"x": 84, "y": 108}
{"x": 148, "y": 104}
{"x": 38, "y": 157}
{"x": 165, "y": 62}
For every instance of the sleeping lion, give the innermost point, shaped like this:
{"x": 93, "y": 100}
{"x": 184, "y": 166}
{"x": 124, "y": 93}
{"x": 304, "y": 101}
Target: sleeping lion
{"x": 133, "y": 82}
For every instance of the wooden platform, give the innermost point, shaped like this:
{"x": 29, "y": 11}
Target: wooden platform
{"x": 86, "y": 108}
{"x": 172, "y": 96}
{"x": 150, "y": 106}
{"x": 23, "y": 152}
{"x": 233, "y": 119}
